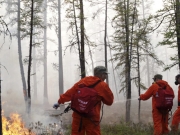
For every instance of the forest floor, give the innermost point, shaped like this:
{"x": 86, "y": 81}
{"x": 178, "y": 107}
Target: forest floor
{"x": 112, "y": 121}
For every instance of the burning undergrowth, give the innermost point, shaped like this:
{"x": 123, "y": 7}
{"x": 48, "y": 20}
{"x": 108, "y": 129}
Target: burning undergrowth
{"x": 51, "y": 129}
{"x": 14, "y": 125}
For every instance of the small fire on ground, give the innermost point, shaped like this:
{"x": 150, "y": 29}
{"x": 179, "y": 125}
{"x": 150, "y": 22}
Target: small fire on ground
{"x": 14, "y": 126}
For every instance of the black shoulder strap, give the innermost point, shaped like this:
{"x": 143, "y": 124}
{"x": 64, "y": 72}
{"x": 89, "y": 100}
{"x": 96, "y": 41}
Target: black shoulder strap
{"x": 96, "y": 124}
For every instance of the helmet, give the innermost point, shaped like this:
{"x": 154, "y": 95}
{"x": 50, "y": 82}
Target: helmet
{"x": 100, "y": 69}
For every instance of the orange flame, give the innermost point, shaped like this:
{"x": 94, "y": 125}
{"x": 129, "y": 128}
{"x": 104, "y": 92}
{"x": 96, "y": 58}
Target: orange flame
{"x": 14, "y": 126}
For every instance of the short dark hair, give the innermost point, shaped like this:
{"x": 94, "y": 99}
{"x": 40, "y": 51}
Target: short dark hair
{"x": 158, "y": 76}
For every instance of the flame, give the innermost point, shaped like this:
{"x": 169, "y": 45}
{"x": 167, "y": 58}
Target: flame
{"x": 14, "y": 126}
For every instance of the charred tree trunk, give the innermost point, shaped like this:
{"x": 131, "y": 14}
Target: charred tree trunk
{"x": 82, "y": 57}
{"x": 30, "y": 58}
{"x": 61, "y": 84}
{"x": 105, "y": 42}
{"x": 45, "y": 54}
{"x": 77, "y": 33}
{"x": 20, "y": 56}
{"x": 139, "y": 88}
{"x": 177, "y": 15}
{"x": 127, "y": 71}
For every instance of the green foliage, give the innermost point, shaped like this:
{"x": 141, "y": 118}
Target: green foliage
{"x": 25, "y": 16}
{"x": 73, "y": 17}
{"x": 127, "y": 129}
{"x": 142, "y": 86}
{"x": 175, "y": 62}
{"x": 166, "y": 20}
{"x": 138, "y": 38}
{"x": 123, "y": 128}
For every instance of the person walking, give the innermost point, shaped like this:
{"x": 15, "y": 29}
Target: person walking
{"x": 83, "y": 125}
{"x": 176, "y": 116}
{"x": 160, "y": 119}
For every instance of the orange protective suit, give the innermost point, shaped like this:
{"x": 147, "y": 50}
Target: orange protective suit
{"x": 106, "y": 96}
{"x": 176, "y": 115}
{"x": 160, "y": 120}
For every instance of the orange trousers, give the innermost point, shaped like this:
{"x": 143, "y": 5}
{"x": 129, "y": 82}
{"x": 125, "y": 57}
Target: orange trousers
{"x": 88, "y": 127}
{"x": 160, "y": 122}
{"x": 175, "y": 120}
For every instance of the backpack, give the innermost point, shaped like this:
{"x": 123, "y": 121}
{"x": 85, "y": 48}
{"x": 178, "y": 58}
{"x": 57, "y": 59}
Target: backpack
{"x": 84, "y": 100}
{"x": 164, "y": 98}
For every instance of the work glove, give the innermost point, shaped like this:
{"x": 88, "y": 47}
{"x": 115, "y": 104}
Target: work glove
{"x": 56, "y": 105}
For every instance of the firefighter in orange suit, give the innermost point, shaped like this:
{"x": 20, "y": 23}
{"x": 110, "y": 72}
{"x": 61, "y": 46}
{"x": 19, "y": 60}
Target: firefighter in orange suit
{"x": 105, "y": 94}
{"x": 176, "y": 115}
{"x": 160, "y": 120}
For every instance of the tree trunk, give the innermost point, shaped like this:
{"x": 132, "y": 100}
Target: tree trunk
{"x": 45, "y": 54}
{"x": 128, "y": 79}
{"x": 82, "y": 58}
{"x": 35, "y": 74}
{"x": 91, "y": 57}
{"x": 147, "y": 57}
{"x": 133, "y": 23}
{"x": 139, "y": 88}
{"x": 30, "y": 59}
{"x": 167, "y": 64}
{"x": 20, "y": 56}
{"x": 61, "y": 83}
{"x": 105, "y": 42}
{"x": 177, "y": 13}
{"x": 117, "y": 94}
{"x": 77, "y": 33}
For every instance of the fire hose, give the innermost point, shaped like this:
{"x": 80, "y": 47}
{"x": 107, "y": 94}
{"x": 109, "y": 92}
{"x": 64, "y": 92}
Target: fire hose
{"x": 66, "y": 110}
{"x": 171, "y": 115}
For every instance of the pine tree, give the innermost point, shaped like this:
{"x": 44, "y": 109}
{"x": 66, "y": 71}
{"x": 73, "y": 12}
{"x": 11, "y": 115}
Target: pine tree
{"x": 168, "y": 24}
{"x": 130, "y": 45}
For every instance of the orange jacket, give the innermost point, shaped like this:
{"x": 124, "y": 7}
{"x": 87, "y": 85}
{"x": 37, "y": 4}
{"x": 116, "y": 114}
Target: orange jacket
{"x": 104, "y": 92}
{"x": 151, "y": 92}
